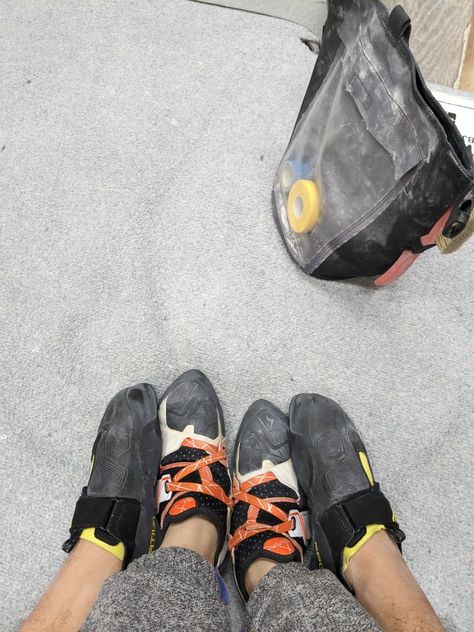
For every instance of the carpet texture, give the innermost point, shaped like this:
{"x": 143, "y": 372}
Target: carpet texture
{"x": 138, "y": 147}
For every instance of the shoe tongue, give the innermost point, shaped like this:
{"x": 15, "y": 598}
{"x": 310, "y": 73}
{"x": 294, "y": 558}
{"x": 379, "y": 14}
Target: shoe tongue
{"x": 184, "y": 454}
{"x": 274, "y": 489}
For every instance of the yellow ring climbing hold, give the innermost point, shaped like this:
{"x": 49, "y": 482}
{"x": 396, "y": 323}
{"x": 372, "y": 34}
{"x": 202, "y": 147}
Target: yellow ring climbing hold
{"x": 303, "y": 206}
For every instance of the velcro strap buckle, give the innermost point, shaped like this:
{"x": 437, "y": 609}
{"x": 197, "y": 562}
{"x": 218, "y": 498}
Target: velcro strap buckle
{"x": 344, "y": 522}
{"x": 118, "y": 517}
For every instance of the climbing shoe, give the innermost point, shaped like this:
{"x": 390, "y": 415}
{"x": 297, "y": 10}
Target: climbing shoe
{"x": 194, "y": 475}
{"x": 116, "y": 510}
{"x": 333, "y": 469}
{"x": 267, "y": 520}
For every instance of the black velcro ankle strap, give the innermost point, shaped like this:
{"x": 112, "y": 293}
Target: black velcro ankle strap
{"x": 344, "y": 523}
{"x": 117, "y": 517}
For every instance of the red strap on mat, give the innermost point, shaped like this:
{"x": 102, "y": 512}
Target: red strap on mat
{"x": 407, "y": 258}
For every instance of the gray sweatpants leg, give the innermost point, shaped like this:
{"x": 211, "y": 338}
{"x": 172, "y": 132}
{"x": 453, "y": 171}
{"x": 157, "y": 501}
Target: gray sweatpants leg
{"x": 176, "y": 590}
{"x": 172, "y": 589}
{"x": 290, "y": 598}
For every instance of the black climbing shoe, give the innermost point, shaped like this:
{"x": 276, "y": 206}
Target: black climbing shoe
{"x": 334, "y": 472}
{"x": 118, "y": 504}
{"x": 266, "y": 520}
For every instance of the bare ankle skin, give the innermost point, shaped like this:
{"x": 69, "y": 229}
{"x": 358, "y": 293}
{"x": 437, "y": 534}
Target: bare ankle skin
{"x": 256, "y": 571}
{"x": 73, "y": 592}
{"x": 384, "y": 585}
{"x": 196, "y": 533}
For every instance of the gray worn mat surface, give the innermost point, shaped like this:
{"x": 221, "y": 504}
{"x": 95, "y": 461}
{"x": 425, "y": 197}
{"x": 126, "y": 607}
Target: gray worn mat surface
{"x": 138, "y": 147}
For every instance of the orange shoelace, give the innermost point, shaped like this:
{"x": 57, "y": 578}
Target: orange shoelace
{"x": 251, "y": 527}
{"x": 175, "y": 487}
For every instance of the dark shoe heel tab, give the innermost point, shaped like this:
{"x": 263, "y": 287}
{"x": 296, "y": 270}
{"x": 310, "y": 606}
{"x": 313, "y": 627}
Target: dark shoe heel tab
{"x": 116, "y": 517}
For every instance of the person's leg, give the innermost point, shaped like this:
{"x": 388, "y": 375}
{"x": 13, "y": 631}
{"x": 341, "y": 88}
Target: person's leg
{"x": 183, "y": 581}
{"x": 114, "y": 518}
{"x": 172, "y": 589}
{"x": 291, "y": 597}
{"x": 355, "y": 529}
{"x": 384, "y": 585}
{"x": 316, "y": 600}
{"x": 73, "y": 592}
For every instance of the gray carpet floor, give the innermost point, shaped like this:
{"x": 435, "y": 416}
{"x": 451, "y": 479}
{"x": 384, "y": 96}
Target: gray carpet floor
{"x": 138, "y": 147}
